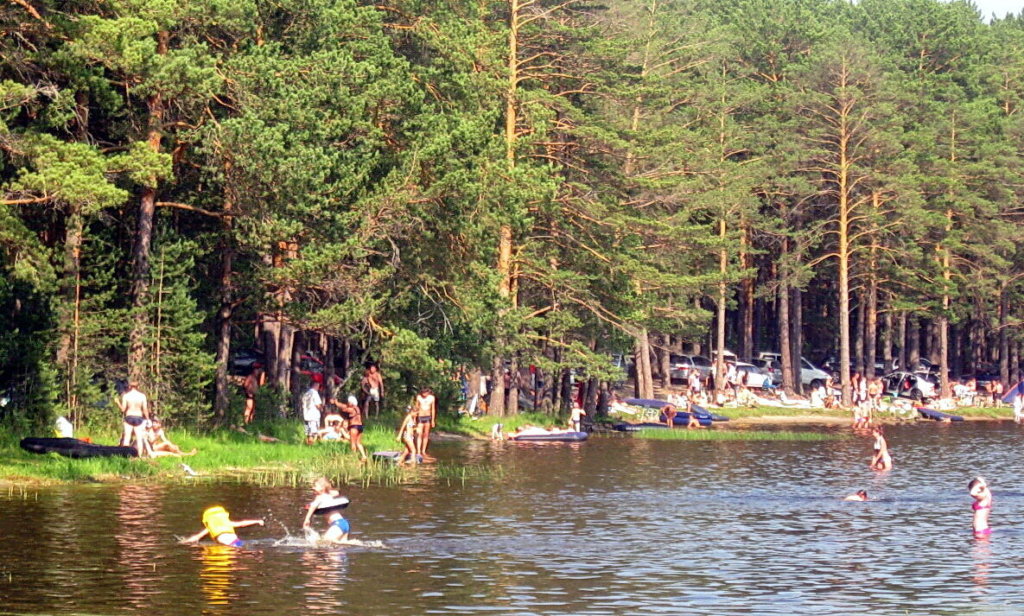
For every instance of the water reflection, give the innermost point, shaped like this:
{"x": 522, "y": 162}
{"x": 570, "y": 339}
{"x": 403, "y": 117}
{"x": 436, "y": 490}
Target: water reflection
{"x": 615, "y": 525}
{"x": 217, "y": 577}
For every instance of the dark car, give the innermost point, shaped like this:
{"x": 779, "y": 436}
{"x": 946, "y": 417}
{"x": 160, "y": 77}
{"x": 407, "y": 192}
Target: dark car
{"x": 243, "y": 361}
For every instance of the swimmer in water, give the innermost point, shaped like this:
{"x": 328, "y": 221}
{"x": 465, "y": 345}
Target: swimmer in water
{"x": 221, "y": 527}
{"x": 861, "y": 495}
{"x": 881, "y": 461}
{"x": 338, "y": 528}
{"x": 982, "y": 505}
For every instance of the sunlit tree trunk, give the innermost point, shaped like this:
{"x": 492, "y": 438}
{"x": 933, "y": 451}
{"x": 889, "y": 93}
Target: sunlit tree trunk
{"x": 144, "y": 236}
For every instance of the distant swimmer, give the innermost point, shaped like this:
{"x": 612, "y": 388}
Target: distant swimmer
{"x": 329, "y": 501}
{"x": 982, "y": 505}
{"x": 220, "y": 527}
{"x": 861, "y": 495}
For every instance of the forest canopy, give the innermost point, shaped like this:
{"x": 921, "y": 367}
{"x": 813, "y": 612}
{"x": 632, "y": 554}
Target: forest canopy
{"x": 431, "y": 184}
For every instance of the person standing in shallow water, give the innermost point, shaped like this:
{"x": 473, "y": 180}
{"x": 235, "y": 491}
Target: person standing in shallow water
{"x": 425, "y": 405}
{"x": 881, "y": 461}
{"x": 982, "y": 505}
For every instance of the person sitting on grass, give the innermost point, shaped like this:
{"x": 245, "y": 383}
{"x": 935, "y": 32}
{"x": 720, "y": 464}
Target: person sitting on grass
{"x": 334, "y": 426}
{"x": 160, "y": 445}
{"x": 221, "y": 527}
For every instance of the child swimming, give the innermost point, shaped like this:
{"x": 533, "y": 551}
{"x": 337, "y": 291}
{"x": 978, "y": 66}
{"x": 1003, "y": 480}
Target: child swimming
{"x": 221, "y": 527}
{"x": 982, "y": 505}
{"x": 338, "y": 528}
{"x": 860, "y": 495}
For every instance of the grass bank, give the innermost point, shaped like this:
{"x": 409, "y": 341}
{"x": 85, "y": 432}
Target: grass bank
{"x": 233, "y": 456}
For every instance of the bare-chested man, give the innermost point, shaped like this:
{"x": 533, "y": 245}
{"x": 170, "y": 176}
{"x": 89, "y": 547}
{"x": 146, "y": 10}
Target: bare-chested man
{"x": 372, "y": 385}
{"x": 135, "y": 409}
{"x": 425, "y": 405}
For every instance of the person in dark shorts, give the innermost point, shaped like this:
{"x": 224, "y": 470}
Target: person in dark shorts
{"x": 354, "y": 415}
{"x": 135, "y": 411}
{"x": 425, "y": 405}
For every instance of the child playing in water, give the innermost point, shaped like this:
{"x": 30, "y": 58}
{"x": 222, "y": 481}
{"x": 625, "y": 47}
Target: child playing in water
{"x": 338, "y": 528}
{"x": 861, "y": 495}
{"x": 982, "y": 505}
{"x": 407, "y": 437}
{"x": 221, "y": 527}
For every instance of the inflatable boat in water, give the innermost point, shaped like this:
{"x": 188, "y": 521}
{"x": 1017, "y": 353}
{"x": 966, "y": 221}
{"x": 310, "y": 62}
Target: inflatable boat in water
{"x": 701, "y": 412}
{"x": 551, "y": 437}
{"x": 74, "y": 448}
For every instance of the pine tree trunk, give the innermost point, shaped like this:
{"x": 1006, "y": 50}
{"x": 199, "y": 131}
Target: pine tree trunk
{"x": 496, "y": 403}
{"x": 913, "y": 342}
{"x": 144, "y": 237}
{"x": 746, "y": 301}
{"x": 887, "y": 326}
{"x": 796, "y": 338}
{"x": 664, "y": 361}
{"x": 785, "y": 346}
{"x": 1004, "y": 340}
{"x": 902, "y": 336}
{"x": 871, "y": 327}
{"x": 220, "y": 402}
{"x": 858, "y": 336}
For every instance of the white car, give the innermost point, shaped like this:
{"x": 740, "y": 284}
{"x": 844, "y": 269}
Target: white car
{"x": 809, "y": 373}
{"x": 756, "y": 377}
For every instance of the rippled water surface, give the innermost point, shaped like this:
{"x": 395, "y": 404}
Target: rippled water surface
{"x": 612, "y": 526}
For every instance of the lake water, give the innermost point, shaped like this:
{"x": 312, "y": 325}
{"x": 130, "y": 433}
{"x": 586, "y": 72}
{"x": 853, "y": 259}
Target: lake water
{"x": 615, "y": 525}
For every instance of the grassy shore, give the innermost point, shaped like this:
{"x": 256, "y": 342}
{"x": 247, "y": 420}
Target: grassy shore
{"x": 230, "y": 455}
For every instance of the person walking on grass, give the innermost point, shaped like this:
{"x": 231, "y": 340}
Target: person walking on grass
{"x": 310, "y": 404}
{"x": 425, "y": 405}
{"x": 354, "y": 415}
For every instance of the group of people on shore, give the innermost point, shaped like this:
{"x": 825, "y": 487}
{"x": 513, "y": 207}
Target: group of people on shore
{"x": 142, "y": 430}
{"x": 343, "y": 420}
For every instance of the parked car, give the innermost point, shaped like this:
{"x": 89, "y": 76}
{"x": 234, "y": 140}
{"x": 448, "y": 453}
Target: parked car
{"x": 809, "y": 373}
{"x": 680, "y": 366}
{"x": 914, "y": 385}
{"x": 756, "y": 378}
{"x": 770, "y": 367}
{"x": 243, "y": 360}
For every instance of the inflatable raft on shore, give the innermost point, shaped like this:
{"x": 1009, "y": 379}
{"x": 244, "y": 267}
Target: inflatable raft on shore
{"x": 74, "y": 448}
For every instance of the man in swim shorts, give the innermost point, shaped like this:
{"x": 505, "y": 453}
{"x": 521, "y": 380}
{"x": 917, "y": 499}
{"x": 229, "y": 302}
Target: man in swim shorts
{"x": 425, "y": 406}
{"x": 135, "y": 411}
{"x": 221, "y": 528}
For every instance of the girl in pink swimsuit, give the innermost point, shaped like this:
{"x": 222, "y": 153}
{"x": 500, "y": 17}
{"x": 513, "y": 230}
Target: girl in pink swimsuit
{"x": 982, "y": 505}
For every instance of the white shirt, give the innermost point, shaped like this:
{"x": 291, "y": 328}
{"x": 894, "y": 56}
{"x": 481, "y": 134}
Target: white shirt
{"x": 311, "y": 403}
